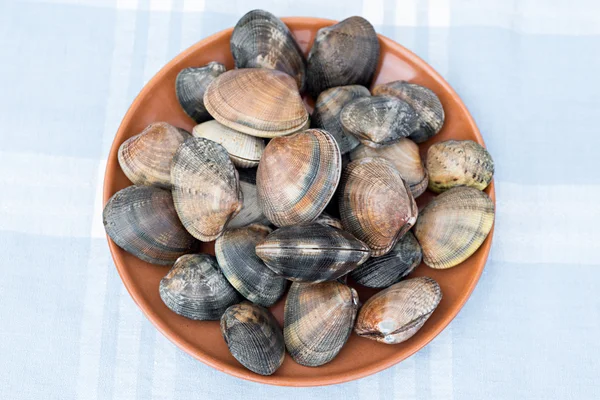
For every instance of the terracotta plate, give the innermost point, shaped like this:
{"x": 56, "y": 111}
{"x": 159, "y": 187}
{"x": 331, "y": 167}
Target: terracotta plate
{"x": 202, "y": 339}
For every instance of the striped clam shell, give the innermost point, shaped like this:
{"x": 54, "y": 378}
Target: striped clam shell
{"x": 190, "y": 86}
{"x": 297, "y": 176}
{"x": 453, "y": 226}
{"x": 251, "y": 211}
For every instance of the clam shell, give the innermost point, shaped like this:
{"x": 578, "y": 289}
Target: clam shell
{"x": 375, "y": 203}
{"x": 245, "y": 150}
{"x": 190, "y": 86}
{"x": 328, "y": 109}
{"x": 257, "y": 101}
{"x": 251, "y": 211}
{"x": 430, "y": 113}
{"x": 235, "y": 251}
{"x": 253, "y": 337}
{"x": 453, "y": 226}
{"x": 405, "y": 156}
{"x": 146, "y": 158}
{"x": 311, "y": 252}
{"x": 379, "y": 120}
{"x": 327, "y": 219}
{"x": 459, "y": 163}
{"x": 206, "y": 189}
{"x": 395, "y": 314}
{"x": 318, "y": 320}
{"x": 346, "y": 53}
{"x": 261, "y": 40}
{"x": 381, "y": 272}
{"x": 297, "y": 176}
{"x": 142, "y": 221}
{"x": 196, "y": 288}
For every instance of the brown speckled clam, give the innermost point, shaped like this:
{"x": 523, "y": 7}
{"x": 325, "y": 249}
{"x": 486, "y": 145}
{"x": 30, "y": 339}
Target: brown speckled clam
{"x": 146, "y": 158}
{"x": 257, "y": 101}
{"x": 261, "y": 40}
{"x": 142, "y": 221}
{"x": 190, "y": 86}
{"x": 375, "y": 203}
{"x": 453, "y": 226}
{"x": 318, "y": 320}
{"x": 398, "y": 312}
{"x": 459, "y": 163}
{"x": 297, "y": 176}
{"x": 206, "y": 189}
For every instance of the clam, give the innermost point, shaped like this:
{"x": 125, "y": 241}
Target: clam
{"x": 245, "y": 150}
{"x": 318, "y": 320}
{"x": 430, "y": 113}
{"x": 196, "y": 288}
{"x": 453, "y": 226}
{"x": 327, "y": 219}
{"x": 346, "y": 53}
{"x": 381, "y": 272}
{"x": 395, "y": 314}
{"x": 379, "y": 120}
{"x": 142, "y": 221}
{"x": 375, "y": 203}
{"x": 146, "y": 157}
{"x": 405, "y": 156}
{"x": 257, "y": 101}
{"x": 459, "y": 163}
{"x": 328, "y": 108}
{"x": 253, "y": 337}
{"x": 190, "y": 86}
{"x": 235, "y": 251}
{"x": 251, "y": 211}
{"x": 297, "y": 176}
{"x": 206, "y": 189}
{"x": 311, "y": 252}
{"x": 261, "y": 40}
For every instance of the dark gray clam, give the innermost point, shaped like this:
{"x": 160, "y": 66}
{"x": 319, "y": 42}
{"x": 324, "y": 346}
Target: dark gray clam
{"x": 328, "y": 108}
{"x": 235, "y": 251}
{"x": 190, "y": 85}
{"x": 142, "y": 221}
{"x": 346, "y": 53}
{"x": 253, "y": 337}
{"x": 379, "y": 120}
{"x": 327, "y": 219}
{"x": 430, "y": 113}
{"x": 251, "y": 212}
{"x": 318, "y": 319}
{"x": 261, "y": 40}
{"x": 381, "y": 272}
{"x": 312, "y": 252}
{"x": 196, "y": 288}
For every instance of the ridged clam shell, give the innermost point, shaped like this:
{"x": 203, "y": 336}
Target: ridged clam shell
{"x": 206, "y": 189}
{"x": 257, "y": 101}
{"x": 235, "y": 251}
{"x": 430, "y": 113}
{"x": 146, "y": 157}
{"x": 318, "y": 320}
{"x": 253, "y": 337}
{"x": 379, "y": 120}
{"x": 327, "y": 219}
{"x": 346, "y": 53}
{"x": 453, "y": 226}
{"x": 297, "y": 176}
{"x": 328, "y": 108}
{"x": 245, "y": 150}
{"x": 405, "y": 156}
{"x": 459, "y": 163}
{"x": 311, "y": 252}
{"x": 395, "y": 314}
{"x": 251, "y": 211}
{"x": 196, "y": 288}
{"x": 261, "y": 40}
{"x": 381, "y": 272}
{"x": 375, "y": 203}
{"x": 142, "y": 221}
{"x": 190, "y": 86}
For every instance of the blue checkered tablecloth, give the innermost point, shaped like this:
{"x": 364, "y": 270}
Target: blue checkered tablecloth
{"x": 526, "y": 69}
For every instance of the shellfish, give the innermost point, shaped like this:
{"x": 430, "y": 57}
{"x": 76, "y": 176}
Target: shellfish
{"x": 251, "y": 211}
{"x": 190, "y": 86}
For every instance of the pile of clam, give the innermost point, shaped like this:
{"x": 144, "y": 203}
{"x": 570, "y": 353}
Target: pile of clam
{"x": 253, "y": 177}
